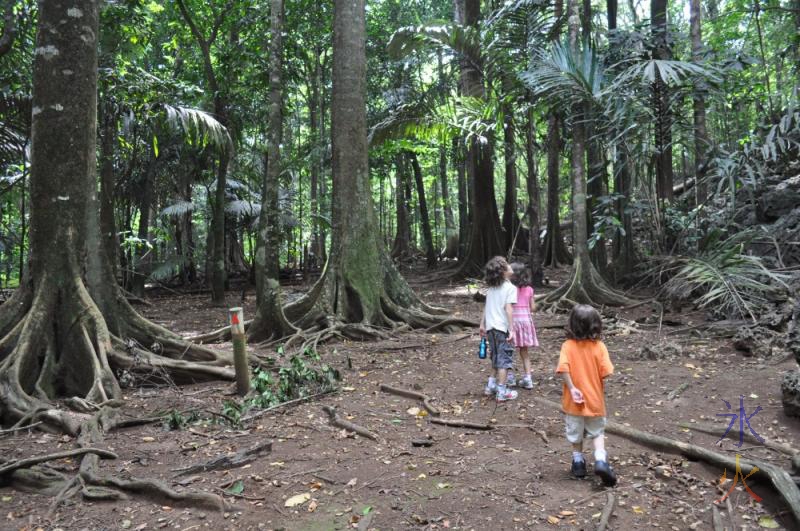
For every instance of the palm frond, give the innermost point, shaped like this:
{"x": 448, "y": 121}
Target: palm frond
{"x": 241, "y": 207}
{"x": 199, "y": 126}
{"x": 562, "y": 75}
{"x": 462, "y": 40}
{"x": 723, "y": 277}
{"x": 180, "y": 208}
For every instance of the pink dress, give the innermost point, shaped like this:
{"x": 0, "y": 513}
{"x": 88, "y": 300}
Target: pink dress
{"x": 524, "y": 331}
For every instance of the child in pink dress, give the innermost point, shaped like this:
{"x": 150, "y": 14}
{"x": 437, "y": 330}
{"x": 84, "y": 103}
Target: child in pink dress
{"x": 524, "y": 330}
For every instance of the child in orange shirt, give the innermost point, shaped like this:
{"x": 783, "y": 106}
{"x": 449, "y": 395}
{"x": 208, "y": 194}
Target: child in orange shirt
{"x": 583, "y": 364}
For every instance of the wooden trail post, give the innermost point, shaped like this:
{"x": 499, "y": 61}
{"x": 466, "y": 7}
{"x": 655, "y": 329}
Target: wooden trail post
{"x": 239, "y": 351}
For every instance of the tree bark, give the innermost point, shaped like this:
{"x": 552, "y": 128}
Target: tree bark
{"x": 534, "y": 203}
{"x": 510, "y": 220}
{"x": 218, "y": 279}
{"x": 663, "y": 114}
{"x": 463, "y": 200}
{"x": 270, "y": 321}
{"x": 143, "y": 256}
{"x": 55, "y": 340}
{"x": 585, "y": 284}
{"x": 450, "y": 230}
{"x": 108, "y": 226}
{"x": 430, "y": 251}
{"x": 555, "y": 251}
{"x": 701, "y": 141}
{"x": 401, "y": 249}
{"x": 485, "y": 228}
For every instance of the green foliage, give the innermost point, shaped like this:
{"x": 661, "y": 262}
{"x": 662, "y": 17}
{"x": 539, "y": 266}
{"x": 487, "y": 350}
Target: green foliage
{"x": 301, "y": 377}
{"x": 722, "y": 277}
{"x": 176, "y": 420}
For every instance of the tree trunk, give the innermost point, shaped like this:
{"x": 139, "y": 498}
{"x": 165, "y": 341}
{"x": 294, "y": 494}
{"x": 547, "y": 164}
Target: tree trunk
{"x": 270, "y": 322}
{"x": 463, "y": 200}
{"x": 555, "y": 251}
{"x": 143, "y": 254}
{"x": 316, "y": 164}
{"x": 534, "y": 203}
{"x": 217, "y": 253}
{"x": 485, "y": 228}
{"x": 108, "y": 227}
{"x": 400, "y": 249}
{"x": 663, "y": 114}
{"x": 701, "y": 142}
{"x": 450, "y": 230}
{"x": 510, "y": 220}
{"x": 56, "y": 342}
{"x": 427, "y": 235}
{"x": 585, "y": 284}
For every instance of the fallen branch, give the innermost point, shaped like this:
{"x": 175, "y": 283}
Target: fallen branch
{"x": 225, "y": 462}
{"x": 242, "y": 496}
{"x": 675, "y": 393}
{"x": 221, "y": 334}
{"x": 20, "y": 428}
{"x": 263, "y": 412}
{"x": 780, "y": 479}
{"x": 339, "y": 422}
{"x": 716, "y": 519}
{"x": 412, "y": 394}
{"x": 462, "y": 424}
{"x": 611, "y": 500}
{"x": 11, "y": 466}
{"x": 719, "y": 430}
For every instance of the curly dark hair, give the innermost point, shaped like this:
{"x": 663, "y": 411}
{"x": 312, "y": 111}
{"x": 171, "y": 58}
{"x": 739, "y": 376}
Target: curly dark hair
{"x": 493, "y": 271}
{"x": 522, "y": 275}
{"x": 584, "y": 323}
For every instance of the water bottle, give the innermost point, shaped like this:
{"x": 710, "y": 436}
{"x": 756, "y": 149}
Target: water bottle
{"x": 482, "y": 349}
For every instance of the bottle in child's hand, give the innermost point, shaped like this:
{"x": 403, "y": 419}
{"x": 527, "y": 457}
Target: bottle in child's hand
{"x": 482, "y": 349}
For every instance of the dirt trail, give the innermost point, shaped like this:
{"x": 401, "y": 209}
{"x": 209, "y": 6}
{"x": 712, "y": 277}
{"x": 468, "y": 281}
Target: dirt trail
{"x": 515, "y": 476}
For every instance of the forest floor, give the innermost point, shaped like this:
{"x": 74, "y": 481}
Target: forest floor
{"x": 515, "y": 476}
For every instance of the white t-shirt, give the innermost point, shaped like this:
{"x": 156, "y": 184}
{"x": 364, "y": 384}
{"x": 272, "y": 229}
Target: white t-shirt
{"x": 496, "y": 300}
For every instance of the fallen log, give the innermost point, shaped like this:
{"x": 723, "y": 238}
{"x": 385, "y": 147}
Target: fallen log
{"x": 224, "y": 462}
{"x": 426, "y": 400}
{"x": 718, "y": 430}
{"x": 339, "y": 422}
{"x": 780, "y": 478}
{"x": 462, "y": 424}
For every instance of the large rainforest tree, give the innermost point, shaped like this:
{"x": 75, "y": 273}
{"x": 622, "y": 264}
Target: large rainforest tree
{"x": 68, "y": 332}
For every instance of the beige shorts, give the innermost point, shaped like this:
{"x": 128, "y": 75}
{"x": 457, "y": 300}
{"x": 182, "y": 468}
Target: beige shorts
{"x": 579, "y": 428}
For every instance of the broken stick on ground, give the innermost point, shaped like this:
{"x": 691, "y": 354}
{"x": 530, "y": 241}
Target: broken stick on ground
{"x": 406, "y": 393}
{"x": 339, "y": 422}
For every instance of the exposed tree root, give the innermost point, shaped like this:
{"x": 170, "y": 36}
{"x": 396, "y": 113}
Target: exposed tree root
{"x": 225, "y": 462}
{"x": 611, "y": 501}
{"x": 8, "y": 468}
{"x": 426, "y": 400}
{"x": 585, "y": 286}
{"x": 339, "y": 422}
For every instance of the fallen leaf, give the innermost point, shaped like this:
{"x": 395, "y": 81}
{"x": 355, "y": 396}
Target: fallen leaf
{"x": 768, "y": 522}
{"x": 367, "y": 510}
{"x": 315, "y": 486}
{"x": 7, "y": 498}
{"x": 312, "y": 506}
{"x": 413, "y": 411}
{"x": 553, "y": 520}
{"x": 753, "y": 395}
{"x": 298, "y": 499}
{"x": 567, "y": 513}
{"x": 352, "y": 482}
{"x": 597, "y": 515}
{"x": 276, "y": 463}
{"x": 236, "y": 488}
{"x": 443, "y": 485}
{"x": 148, "y": 439}
{"x": 637, "y": 509}
{"x": 348, "y": 388}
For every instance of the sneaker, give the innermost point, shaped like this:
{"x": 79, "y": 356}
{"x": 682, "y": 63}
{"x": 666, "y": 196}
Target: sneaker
{"x": 511, "y": 381}
{"x": 579, "y": 468}
{"x": 489, "y": 390}
{"x": 603, "y": 469}
{"x": 505, "y": 395}
{"x": 526, "y": 383}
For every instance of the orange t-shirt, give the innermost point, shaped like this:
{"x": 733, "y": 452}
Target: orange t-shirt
{"x": 587, "y": 362}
